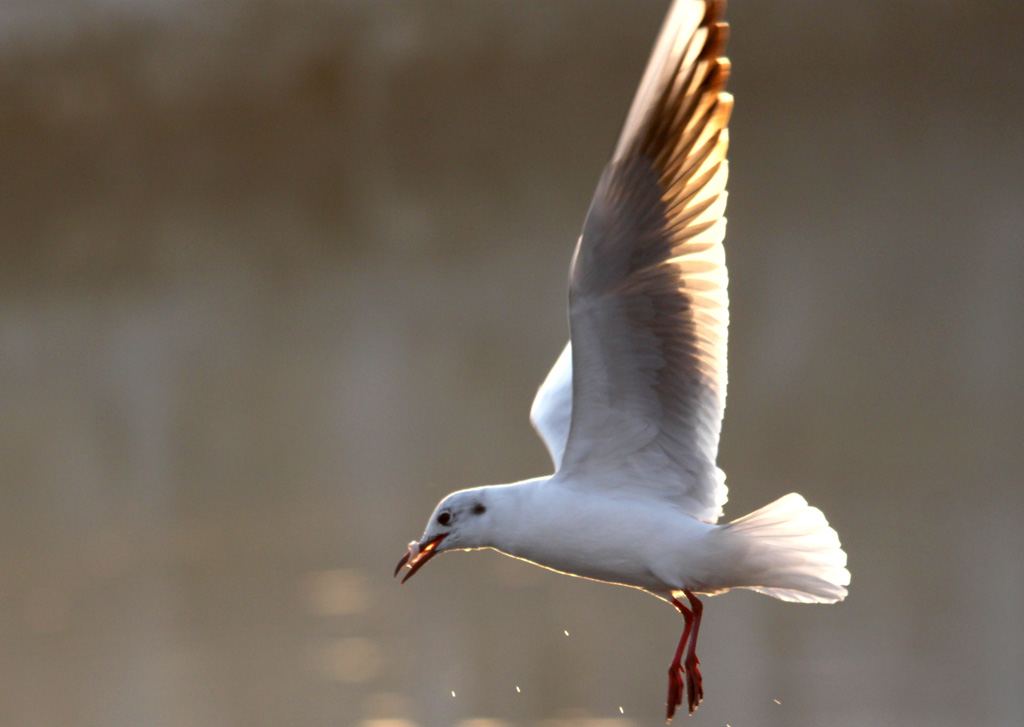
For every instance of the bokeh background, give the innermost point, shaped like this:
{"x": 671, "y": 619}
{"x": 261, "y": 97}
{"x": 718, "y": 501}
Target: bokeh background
{"x": 276, "y": 276}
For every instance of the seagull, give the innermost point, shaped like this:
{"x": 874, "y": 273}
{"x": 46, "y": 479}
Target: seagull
{"x": 632, "y": 410}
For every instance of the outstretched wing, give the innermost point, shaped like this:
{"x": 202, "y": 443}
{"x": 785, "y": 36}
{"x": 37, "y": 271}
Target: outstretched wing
{"x": 648, "y": 307}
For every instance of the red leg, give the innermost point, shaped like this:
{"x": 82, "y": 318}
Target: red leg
{"x": 694, "y": 683}
{"x": 675, "y": 671}
{"x": 680, "y": 667}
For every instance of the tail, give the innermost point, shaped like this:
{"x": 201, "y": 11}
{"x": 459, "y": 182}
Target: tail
{"x": 791, "y": 553}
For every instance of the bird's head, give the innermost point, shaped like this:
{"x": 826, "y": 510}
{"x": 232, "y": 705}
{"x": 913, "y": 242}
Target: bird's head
{"x": 460, "y": 521}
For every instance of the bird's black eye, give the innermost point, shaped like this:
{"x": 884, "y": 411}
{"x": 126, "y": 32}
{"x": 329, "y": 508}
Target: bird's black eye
{"x": 479, "y": 509}
{"x": 444, "y": 518}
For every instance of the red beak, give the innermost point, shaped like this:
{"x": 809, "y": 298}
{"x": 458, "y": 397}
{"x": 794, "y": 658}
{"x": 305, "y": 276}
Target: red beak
{"x": 418, "y": 555}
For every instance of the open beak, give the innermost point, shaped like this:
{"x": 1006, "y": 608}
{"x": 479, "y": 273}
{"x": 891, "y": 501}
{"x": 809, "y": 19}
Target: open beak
{"x": 419, "y": 553}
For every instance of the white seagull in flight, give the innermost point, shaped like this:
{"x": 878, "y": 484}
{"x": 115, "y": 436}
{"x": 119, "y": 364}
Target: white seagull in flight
{"x": 631, "y": 411}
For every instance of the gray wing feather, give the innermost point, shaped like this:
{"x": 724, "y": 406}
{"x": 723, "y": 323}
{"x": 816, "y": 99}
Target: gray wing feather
{"x": 648, "y": 307}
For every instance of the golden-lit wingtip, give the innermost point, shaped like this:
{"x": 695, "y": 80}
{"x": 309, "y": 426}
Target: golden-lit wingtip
{"x": 716, "y": 9}
{"x": 721, "y": 30}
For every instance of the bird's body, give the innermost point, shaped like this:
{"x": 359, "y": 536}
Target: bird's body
{"x": 524, "y": 518}
{"x": 632, "y": 409}
{"x": 786, "y": 548}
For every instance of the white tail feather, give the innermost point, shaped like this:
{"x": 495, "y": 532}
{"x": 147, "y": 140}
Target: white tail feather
{"x": 791, "y": 553}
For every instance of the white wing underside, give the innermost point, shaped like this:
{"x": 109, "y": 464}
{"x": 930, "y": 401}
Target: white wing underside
{"x": 634, "y": 403}
{"x": 551, "y": 413}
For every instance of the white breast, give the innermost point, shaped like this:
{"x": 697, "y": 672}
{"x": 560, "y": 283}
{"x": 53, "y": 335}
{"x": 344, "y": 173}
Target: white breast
{"x": 607, "y": 538}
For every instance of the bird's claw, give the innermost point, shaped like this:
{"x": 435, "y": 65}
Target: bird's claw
{"x": 684, "y": 680}
{"x": 675, "y": 691}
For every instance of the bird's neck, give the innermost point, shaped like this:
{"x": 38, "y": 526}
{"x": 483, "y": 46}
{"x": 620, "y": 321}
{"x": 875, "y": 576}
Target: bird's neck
{"x": 512, "y": 507}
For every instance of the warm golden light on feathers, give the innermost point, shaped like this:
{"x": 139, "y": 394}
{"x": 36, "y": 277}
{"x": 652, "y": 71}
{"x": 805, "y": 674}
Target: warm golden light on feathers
{"x": 650, "y": 269}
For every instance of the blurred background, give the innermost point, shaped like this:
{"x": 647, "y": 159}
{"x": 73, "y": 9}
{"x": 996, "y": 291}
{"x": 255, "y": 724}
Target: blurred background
{"x": 276, "y": 276}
